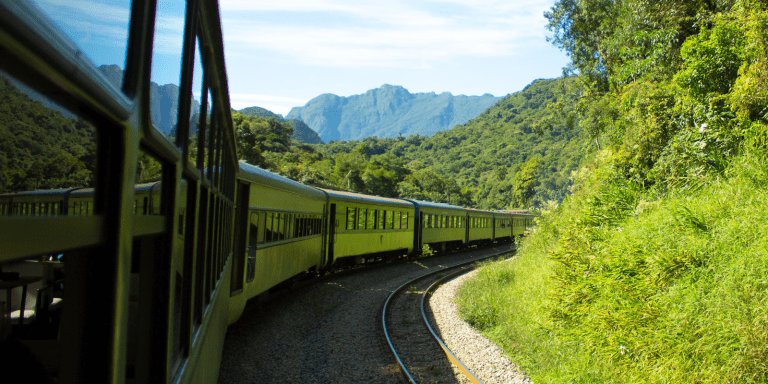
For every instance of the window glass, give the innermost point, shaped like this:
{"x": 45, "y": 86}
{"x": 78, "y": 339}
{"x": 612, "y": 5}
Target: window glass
{"x": 99, "y": 28}
{"x": 405, "y": 220}
{"x": 279, "y": 226}
{"x": 253, "y": 234}
{"x": 390, "y": 215}
{"x": 380, "y": 219}
{"x": 361, "y": 218}
{"x": 194, "y": 110}
{"x": 371, "y": 222}
{"x": 351, "y": 218}
{"x": 45, "y": 146}
{"x": 268, "y": 227}
{"x": 166, "y": 64}
{"x": 397, "y": 220}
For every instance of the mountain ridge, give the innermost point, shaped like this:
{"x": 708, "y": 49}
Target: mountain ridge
{"x": 388, "y": 111}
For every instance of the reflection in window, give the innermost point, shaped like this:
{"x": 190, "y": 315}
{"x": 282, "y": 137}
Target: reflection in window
{"x": 98, "y": 27}
{"x": 166, "y": 64}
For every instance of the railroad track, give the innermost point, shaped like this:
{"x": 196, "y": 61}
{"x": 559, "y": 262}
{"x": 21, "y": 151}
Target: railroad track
{"x": 421, "y": 354}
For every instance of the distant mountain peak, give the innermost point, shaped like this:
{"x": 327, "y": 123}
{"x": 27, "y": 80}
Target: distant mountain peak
{"x": 388, "y": 111}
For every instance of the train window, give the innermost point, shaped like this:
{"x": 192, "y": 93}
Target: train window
{"x": 351, "y": 218}
{"x": 166, "y": 65}
{"x": 380, "y": 219}
{"x": 269, "y": 216}
{"x": 371, "y": 222}
{"x": 253, "y": 235}
{"x": 405, "y": 220}
{"x": 280, "y": 226}
{"x": 390, "y": 219}
{"x": 195, "y": 104}
{"x": 100, "y": 31}
{"x": 397, "y": 219}
{"x": 288, "y": 225}
{"x": 361, "y": 217}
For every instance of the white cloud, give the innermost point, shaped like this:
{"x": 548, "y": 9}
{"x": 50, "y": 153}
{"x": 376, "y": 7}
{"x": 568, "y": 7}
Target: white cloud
{"x": 394, "y": 34}
{"x": 276, "y": 104}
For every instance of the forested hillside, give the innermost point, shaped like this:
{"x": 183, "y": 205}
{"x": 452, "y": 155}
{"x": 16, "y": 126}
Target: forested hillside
{"x": 513, "y": 155}
{"x": 301, "y": 131}
{"x": 40, "y": 148}
{"x": 653, "y": 269}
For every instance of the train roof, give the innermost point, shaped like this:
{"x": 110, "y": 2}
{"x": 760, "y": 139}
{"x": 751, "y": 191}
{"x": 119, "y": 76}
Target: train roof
{"x": 430, "y": 204}
{"x": 519, "y": 212}
{"x": 261, "y": 176}
{"x": 367, "y": 199}
{"x": 39, "y": 192}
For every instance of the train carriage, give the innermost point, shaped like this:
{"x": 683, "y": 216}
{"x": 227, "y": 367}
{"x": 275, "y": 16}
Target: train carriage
{"x": 365, "y": 227}
{"x": 479, "y": 226}
{"x": 279, "y": 233}
{"x": 146, "y": 285}
{"x": 521, "y": 219}
{"x": 502, "y": 227}
{"x": 442, "y": 226}
{"x": 42, "y": 202}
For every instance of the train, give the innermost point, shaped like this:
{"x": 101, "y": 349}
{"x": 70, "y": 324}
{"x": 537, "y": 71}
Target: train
{"x": 131, "y": 282}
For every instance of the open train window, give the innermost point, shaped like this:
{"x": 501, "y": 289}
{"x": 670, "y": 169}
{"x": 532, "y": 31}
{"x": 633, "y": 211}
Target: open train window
{"x": 371, "y": 221}
{"x": 362, "y": 217}
{"x": 351, "y": 219}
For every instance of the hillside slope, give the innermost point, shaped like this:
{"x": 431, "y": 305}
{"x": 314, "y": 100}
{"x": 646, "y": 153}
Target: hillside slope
{"x": 301, "y": 131}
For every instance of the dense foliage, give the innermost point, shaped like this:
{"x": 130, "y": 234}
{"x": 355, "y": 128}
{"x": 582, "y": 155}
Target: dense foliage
{"x": 653, "y": 269}
{"x": 515, "y": 154}
{"x": 40, "y": 148}
{"x": 301, "y": 131}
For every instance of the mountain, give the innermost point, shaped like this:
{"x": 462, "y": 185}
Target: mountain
{"x": 388, "y": 111}
{"x": 259, "y": 111}
{"x": 301, "y": 131}
{"x": 164, "y": 100}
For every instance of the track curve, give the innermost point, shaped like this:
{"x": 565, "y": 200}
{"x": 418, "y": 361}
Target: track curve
{"x": 390, "y": 335}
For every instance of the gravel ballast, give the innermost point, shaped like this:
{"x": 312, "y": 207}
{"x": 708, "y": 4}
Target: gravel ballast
{"x": 486, "y": 360}
{"x": 328, "y": 331}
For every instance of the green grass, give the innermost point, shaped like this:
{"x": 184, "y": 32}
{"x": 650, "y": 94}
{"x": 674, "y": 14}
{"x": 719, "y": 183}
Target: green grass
{"x": 618, "y": 285}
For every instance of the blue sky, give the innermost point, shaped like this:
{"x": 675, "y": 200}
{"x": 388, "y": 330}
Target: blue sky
{"x": 280, "y": 54}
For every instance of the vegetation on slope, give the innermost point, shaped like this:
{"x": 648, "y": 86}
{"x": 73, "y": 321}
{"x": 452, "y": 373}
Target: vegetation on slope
{"x": 653, "y": 269}
{"x": 512, "y": 155}
{"x": 40, "y": 148}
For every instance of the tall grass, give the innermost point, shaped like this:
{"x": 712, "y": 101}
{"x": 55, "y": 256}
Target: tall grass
{"x": 620, "y": 286}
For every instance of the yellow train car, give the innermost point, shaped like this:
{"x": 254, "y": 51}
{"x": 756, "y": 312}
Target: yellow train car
{"x": 443, "y": 226}
{"x": 502, "y": 227}
{"x": 365, "y": 227}
{"x": 278, "y": 233}
{"x": 146, "y": 283}
{"x": 479, "y": 226}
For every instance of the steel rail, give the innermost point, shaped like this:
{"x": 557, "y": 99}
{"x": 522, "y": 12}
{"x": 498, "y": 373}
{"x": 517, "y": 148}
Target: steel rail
{"x": 424, "y": 298}
{"x": 403, "y": 369}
